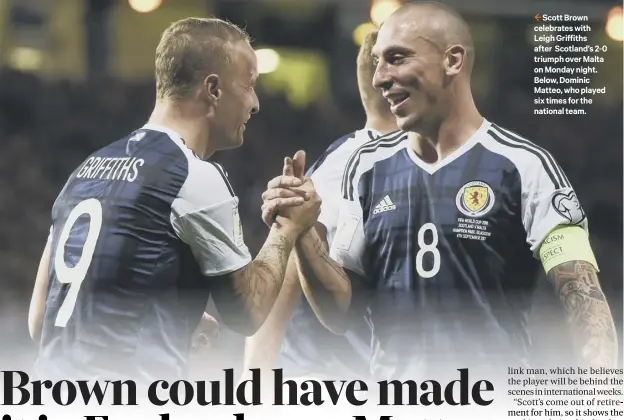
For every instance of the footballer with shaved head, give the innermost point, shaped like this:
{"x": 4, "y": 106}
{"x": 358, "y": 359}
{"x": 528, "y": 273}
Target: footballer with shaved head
{"x": 442, "y": 231}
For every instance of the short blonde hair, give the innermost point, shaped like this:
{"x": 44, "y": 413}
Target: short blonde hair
{"x": 372, "y": 98}
{"x": 189, "y": 50}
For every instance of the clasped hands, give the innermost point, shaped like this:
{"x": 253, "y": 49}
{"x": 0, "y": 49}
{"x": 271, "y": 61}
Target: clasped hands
{"x": 290, "y": 199}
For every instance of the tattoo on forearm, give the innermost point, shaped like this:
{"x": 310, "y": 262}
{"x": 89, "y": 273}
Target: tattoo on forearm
{"x": 321, "y": 251}
{"x": 324, "y": 295}
{"x": 260, "y": 284}
{"x": 587, "y": 312}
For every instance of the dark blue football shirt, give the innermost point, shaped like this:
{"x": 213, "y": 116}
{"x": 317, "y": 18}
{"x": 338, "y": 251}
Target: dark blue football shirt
{"x": 445, "y": 253}
{"x": 138, "y": 230}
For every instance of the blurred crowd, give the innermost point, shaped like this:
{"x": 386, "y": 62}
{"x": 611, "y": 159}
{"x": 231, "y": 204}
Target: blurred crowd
{"x": 48, "y": 127}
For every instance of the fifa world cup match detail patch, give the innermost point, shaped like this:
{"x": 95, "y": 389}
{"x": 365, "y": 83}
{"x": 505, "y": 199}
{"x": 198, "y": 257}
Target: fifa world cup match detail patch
{"x": 564, "y": 244}
{"x": 346, "y": 232}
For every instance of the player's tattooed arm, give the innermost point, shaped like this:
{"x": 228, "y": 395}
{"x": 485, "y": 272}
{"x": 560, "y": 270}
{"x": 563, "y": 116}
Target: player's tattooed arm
{"x": 262, "y": 348}
{"x": 587, "y": 312}
{"x": 324, "y": 282}
{"x": 245, "y": 297}
{"x": 263, "y": 278}
{"x": 248, "y": 294}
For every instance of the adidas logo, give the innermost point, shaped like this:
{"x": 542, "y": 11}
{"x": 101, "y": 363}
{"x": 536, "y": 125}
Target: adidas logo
{"x": 384, "y": 205}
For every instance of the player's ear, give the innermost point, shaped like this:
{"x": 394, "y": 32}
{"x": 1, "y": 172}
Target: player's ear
{"x": 212, "y": 87}
{"x": 455, "y": 60}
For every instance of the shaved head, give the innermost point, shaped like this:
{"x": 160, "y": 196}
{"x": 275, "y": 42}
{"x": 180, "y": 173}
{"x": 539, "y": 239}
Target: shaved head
{"x": 424, "y": 54}
{"x": 440, "y": 24}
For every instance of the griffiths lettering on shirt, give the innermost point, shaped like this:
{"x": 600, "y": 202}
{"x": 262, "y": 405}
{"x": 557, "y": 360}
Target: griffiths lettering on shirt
{"x": 115, "y": 169}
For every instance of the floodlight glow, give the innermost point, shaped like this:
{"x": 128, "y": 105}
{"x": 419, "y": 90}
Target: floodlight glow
{"x": 615, "y": 24}
{"x": 361, "y": 31}
{"x": 268, "y": 60}
{"x": 26, "y": 59}
{"x": 382, "y": 9}
{"x": 144, "y": 6}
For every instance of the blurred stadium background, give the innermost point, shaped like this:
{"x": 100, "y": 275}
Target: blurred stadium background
{"x": 77, "y": 74}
